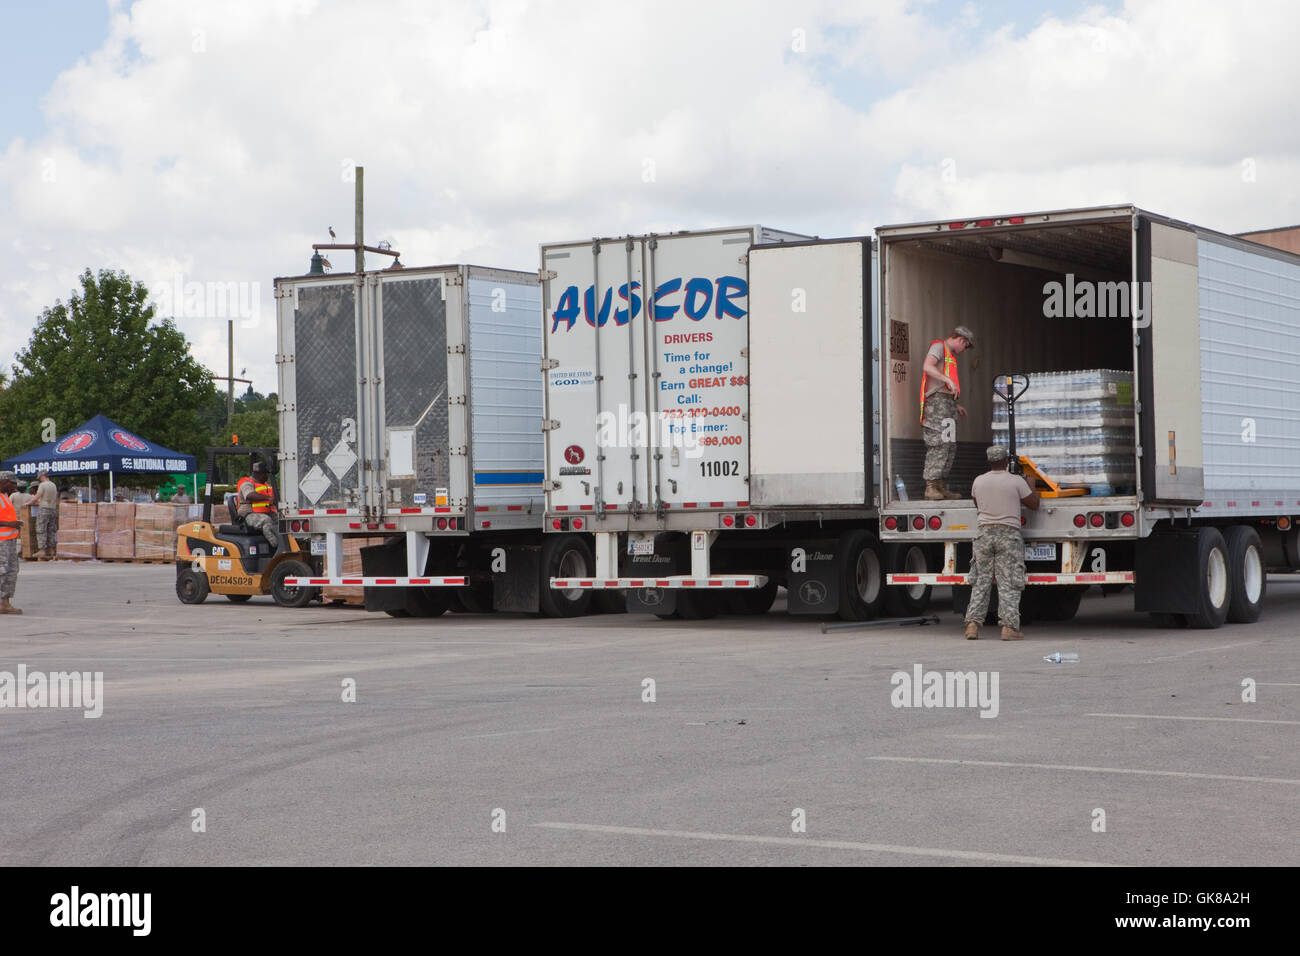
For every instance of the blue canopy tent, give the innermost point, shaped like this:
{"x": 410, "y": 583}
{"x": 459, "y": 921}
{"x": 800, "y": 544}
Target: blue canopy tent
{"x": 97, "y": 446}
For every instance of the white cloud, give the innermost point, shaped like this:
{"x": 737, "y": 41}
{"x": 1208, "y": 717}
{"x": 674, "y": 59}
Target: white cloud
{"x": 211, "y": 139}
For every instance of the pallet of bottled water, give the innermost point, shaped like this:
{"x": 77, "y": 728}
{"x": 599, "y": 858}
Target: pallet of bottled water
{"x": 1078, "y": 427}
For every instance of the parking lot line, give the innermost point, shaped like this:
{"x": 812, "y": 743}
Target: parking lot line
{"x": 1080, "y": 769}
{"x": 827, "y": 844}
{"x": 1231, "y": 720}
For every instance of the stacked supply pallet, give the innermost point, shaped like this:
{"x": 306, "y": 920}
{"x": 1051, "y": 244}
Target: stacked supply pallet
{"x": 115, "y": 531}
{"x": 76, "y": 530}
{"x": 1077, "y": 427}
{"x": 27, "y": 516}
{"x": 155, "y": 531}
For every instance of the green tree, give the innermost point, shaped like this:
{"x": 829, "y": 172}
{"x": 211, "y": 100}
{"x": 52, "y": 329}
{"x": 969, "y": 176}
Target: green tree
{"x": 103, "y": 353}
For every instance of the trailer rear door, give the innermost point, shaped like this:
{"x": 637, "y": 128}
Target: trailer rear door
{"x": 810, "y": 362}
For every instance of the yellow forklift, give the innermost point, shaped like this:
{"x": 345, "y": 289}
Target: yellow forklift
{"x": 233, "y": 559}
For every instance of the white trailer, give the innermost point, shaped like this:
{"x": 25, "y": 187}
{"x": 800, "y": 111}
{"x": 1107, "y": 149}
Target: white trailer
{"x": 1207, "y": 324}
{"x": 710, "y": 420}
{"x": 409, "y": 409}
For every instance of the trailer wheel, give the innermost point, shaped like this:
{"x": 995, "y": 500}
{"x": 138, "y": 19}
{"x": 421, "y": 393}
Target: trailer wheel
{"x": 1161, "y": 619}
{"x": 1246, "y": 569}
{"x": 750, "y": 601}
{"x": 1056, "y": 603}
{"x": 566, "y": 556}
{"x": 425, "y": 602}
{"x": 906, "y": 600}
{"x": 1213, "y": 584}
{"x": 291, "y": 595}
{"x": 862, "y": 577}
{"x": 191, "y": 586}
{"x": 1291, "y": 547}
{"x": 397, "y": 612}
{"x": 697, "y": 605}
{"x": 610, "y": 601}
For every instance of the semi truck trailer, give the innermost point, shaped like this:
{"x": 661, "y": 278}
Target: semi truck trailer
{"x": 1205, "y": 330}
{"x": 710, "y": 423}
{"x": 410, "y": 403}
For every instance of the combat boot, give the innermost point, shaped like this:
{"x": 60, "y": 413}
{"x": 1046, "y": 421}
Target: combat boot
{"x": 1011, "y": 634}
{"x": 934, "y": 490}
{"x": 972, "y": 631}
{"x": 7, "y": 608}
{"x": 945, "y": 492}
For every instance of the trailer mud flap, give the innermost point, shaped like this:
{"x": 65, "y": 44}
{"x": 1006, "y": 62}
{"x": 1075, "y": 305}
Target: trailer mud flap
{"x": 516, "y": 578}
{"x": 1166, "y": 569}
{"x": 652, "y": 601}
{"x": 813, "y": 580}
{"x": 384, "y": 560}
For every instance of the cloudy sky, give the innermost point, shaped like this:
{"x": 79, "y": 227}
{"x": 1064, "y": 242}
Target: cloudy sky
{"x": 210, "y": 141}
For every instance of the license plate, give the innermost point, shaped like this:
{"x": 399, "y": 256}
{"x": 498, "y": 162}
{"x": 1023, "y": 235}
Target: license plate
{"x": 317, "y": 547}
{"x": 640, "y": 547}
{"x": 1040, "y": 552}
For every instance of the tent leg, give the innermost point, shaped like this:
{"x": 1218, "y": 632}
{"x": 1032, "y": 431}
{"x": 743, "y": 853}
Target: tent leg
{"x": 110, "y": 486}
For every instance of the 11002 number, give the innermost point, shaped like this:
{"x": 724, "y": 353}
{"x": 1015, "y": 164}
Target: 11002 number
{"x": 719, "y": 469}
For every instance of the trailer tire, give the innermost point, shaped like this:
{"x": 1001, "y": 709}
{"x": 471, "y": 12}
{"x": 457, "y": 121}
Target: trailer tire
{"x": 750, "y": 601}
{"x": 610, "y": 601}
{"x": 191, "y": 586}
{"x": 566, "y": 556}
{"x": 861, "y": 574}
{"x": 1213, "y": 584}
{"x": 906, "y": 600}
{"x": 1247, "y": 573}
{"x": 1055, "y": 603}
{"x": 1161, "y": 619}
{"x": 287, "y": 596}
{"x": 697, "y": 605}
{"x": 425, "y": 602}
{"x": 1291, "y": 547}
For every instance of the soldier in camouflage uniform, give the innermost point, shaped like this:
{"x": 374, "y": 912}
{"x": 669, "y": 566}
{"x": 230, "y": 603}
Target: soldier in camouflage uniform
{"x": 999, "y": 546}
{"x": 940, "y": 390}
{"x": 10, "y": 530}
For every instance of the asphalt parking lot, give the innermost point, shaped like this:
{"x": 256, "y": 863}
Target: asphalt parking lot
{"x": 511, "y": 740}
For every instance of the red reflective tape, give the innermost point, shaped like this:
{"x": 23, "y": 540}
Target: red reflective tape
{"x": 453, "y": 580}
{"x": 561, "y": 507}
{"x": 1015, "y": 220}
{"x": 637, "y": 583}
{"x": 716, "y": 504}
{"x": 611, "y": 584}
{"x": 906, "y": 579}
{"x": 560, "y": 583}
{"x": 956, "y": 225}
{"x": 352, "y": 581}
{"x": 951, "y": 579}
{"x": 688, "y": 583}
{"x": 440, "y": 511}
{"x": 984, "y": 223}
{"x": 514, "y": 507}
{"x": 742, "y": 584}
{"x": 584, "y": 584}
{"x": 1207, "y": 504}
{"x": 420, "y": 580}
{"x": 715, "y": 584}
{"x": 485, "y": 524}
{"x": 390, "y": 527}
{"x": 385, "y": 580}
{"x": 609, "y": 507}
{"x": 355, "y": 524}
{"x": 742, "y": 504}
{"x": 662, "y": 584}
{"x": 1254, "y": 504}
{"x": 586, "y": 507}
{"x": 318, "y": 580}
{"x": 482, "y": 507}
{"x": 306, "y": 511}
{"x": 1232, "y": 504}
{"x": 1277, "y": 504}
{"x": 409, "y": 511}
{"x": 336, "y": 511}
{"x": 690, "y": 504}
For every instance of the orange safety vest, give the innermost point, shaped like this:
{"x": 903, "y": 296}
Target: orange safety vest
{"x": 949, "y": 369}
{"x": 8, "y": 513}
{"x": 259, "y": 507}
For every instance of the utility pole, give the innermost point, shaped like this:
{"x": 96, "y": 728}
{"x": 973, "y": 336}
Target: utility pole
{"x": 358, "y": 244}
{"x": 230, "y": 370}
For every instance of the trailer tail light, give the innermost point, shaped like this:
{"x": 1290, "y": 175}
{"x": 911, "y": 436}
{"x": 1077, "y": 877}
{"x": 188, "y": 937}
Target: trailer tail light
{"x": 557, "y": 524}
{"x": 728, "y": 521}
{"x": 577, "y": 524}
{"x": 935, "y": 523}
{"x": 295, "y": 525}
{"x": 751, "y": 520}
{"x": 918, "y": 523}
{"x": 1023, "y": 522}
{"x": 1283, "y": 523}
{"x": 306, "y": 524}
{"x": 1080, "y": 521}
{"x": 1127, "y": 519}
{"x": 442, "y": 524}
{"x": 1096, "y": 520}
{"x": 891, "y": 523}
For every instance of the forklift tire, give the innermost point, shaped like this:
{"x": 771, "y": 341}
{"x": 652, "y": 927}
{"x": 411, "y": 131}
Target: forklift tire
{"x": 191, "y": 586}
{"x": 287, "y": 596}
{"x": 238, "y": 598}
{"x": 565, "y": 556}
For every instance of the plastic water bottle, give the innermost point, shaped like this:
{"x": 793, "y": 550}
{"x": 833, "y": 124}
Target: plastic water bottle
{"x": 1059, "y": 658}
{"x": 899, "y": 487}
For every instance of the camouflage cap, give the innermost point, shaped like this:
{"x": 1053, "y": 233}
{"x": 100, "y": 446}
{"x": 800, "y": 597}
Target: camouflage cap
{"x": 8, "y": 476}
{"x": 996, "y": 453}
